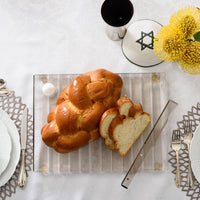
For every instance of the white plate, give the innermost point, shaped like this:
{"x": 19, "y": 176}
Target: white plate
{"x": 137, "y": 45}
{"x": 195, "y": 154}
{"x": 5, "y": 147}
{"x": 15, "y": 152}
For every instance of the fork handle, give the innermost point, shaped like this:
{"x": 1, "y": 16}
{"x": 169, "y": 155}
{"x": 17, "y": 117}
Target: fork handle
{"x": 178, "y": 176}
{"x": 190, "y": 180}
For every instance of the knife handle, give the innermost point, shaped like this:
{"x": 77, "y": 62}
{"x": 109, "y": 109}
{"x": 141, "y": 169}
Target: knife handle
{"x": 22, "y": 170}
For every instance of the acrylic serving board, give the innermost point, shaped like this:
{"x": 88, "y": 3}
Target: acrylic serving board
{"x": 149, "y": 89}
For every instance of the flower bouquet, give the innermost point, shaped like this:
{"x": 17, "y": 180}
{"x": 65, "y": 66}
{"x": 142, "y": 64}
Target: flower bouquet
{"x": 180, "y": 40}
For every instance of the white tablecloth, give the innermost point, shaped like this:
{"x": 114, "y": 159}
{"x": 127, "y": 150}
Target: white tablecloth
{"x": 68, "y": 36}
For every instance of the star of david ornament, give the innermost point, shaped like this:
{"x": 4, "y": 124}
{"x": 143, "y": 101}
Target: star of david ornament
{"x": 137, "y": 45}
{"x": 145, "y": 44}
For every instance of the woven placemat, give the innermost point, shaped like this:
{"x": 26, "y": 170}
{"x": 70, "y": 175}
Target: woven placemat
{"x": 194, "y": 116}
{"x": 14, "y": 107}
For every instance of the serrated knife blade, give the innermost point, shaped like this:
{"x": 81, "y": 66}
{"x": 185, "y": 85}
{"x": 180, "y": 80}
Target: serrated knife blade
{"x": 24, "y": 128}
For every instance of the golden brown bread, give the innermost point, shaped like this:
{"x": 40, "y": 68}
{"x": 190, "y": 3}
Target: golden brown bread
{"x": 121, "y": 126}
{"x": 74, "y": 121}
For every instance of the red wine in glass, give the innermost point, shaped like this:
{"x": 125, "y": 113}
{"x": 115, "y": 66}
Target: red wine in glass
{"x": 117, "y": 13}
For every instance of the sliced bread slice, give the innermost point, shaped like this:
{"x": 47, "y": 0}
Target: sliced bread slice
{"x": 124, "y": 107}
{"x": 127, "y": 130}
{"x": 105, "y": 122}
{"x": 121, "y": 126}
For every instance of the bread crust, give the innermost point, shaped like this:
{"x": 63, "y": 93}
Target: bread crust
{"x": 116, "y": 121}
{"x": 74, "y": 121}
{"x": 103, "y": 129}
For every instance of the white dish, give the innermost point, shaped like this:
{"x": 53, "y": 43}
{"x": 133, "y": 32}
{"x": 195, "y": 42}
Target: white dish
{"x": 137, "y": 45}
{"x": 195, "y": 154}
{"x": 5, "y": 147}
{"x": 15, "y": 152}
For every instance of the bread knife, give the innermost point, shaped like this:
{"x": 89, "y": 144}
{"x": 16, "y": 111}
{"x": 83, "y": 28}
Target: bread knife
{"x": 22, "y": 170}
{"x": 159, "y": 125}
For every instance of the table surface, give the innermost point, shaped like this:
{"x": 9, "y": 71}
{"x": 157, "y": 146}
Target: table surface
{"x": 67, "y": 36}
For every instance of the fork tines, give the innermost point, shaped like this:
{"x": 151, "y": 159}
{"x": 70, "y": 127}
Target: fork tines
{"x": 187, "y": 126}
{"x": 176, "y": 135}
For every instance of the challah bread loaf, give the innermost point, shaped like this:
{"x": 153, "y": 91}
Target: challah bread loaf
{"x": 74, "y": 121}
{"x": 123, "y": 125}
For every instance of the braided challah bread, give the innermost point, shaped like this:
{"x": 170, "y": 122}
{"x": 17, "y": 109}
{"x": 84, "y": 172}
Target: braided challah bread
{"x": 74, "y": 121}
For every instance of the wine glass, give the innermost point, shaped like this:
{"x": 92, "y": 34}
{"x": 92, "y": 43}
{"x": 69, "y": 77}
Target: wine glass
{"x": 116, "y": 14}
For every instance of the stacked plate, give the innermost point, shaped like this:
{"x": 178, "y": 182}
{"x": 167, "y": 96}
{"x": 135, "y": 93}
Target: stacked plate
{"x": 195, "y": 154}
{"x": 9, "y": 147}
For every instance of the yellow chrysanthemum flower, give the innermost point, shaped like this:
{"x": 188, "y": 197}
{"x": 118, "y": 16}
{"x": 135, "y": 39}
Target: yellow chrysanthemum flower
{"x": 187, "y": 20}
{"x": 169, "y": 43}
{"x": 190, "y": 61}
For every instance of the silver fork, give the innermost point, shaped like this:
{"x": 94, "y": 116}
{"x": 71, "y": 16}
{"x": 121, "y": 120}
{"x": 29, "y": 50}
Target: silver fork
{"x": 176, "y": 146}
{"x": 187, "y": 140}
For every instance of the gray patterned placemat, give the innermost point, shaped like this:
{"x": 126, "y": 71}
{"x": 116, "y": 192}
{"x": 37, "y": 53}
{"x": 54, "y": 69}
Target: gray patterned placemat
{"x": 194, "y": 116}
{"x": 14, "y": 107}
